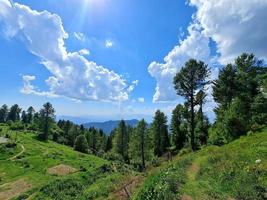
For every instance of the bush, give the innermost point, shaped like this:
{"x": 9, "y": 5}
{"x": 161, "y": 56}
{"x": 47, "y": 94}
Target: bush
{"x": 62, "y": 190}
{"x": 16, "y": 126}
{"x": 112, "y": 156}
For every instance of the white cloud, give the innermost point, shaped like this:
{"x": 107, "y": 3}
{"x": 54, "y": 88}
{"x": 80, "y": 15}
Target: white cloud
{"x": 28, "y": 88}
{"x": 195, "y": 45}
{"x": 132, "y": 86}
{"x": 72, "y": 75}
{"x": 84, "y": 52}
{"x": 108, "y": 43}
{"x": 141, "y": 99}
{"x": 79, "y": 36}
{"x": 236, "y": 26}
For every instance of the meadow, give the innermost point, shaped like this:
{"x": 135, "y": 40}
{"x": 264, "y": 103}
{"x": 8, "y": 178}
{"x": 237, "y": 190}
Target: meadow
{"x": 46, "y": 170}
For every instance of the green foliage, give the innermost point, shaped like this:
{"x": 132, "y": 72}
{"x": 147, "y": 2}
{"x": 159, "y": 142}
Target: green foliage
{"x": 24, "y": 117}
{"x": 121, "y": 140}
{"x": 159, "y": 130}
{"x": 178, "y": 128}
{"x": 16, "y": 126}
{"x": 81, "y": 144}
{"x": 3, "y": 113}
{"x": 192, "y": 77}
{"x": 234, "y": 171}
{"x": 62, "y": 190}
{"x": 202, "y": 127}
{"x": 165, "y": 184}
{"x": 14, "y": 113}
{"x": 225, "y": 87}
{"x": 139, "y": 146}
{"x": 46, "y": 120}
{"x": 241, "y": 104}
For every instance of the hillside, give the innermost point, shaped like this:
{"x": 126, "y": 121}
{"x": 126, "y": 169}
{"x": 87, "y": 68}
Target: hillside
{"x": 237, "y": 170}
{"x": 108, "y": 126}
{"x": 47, "y": 170}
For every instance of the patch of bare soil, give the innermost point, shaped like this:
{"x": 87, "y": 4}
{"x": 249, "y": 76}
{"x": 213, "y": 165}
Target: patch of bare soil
{"x": 14, "y": 189}
{"x": 61, "y": 170}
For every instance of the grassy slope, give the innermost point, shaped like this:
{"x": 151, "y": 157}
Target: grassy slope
{"x": 227, "y": 172}
{"x": 32, "y": 167}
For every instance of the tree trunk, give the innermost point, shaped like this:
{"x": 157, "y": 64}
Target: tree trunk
{"x": 143, "y": 152}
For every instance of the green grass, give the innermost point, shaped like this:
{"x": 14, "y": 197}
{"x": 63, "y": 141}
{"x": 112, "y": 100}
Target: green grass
{"x": 39, "y": 156}
{"x": 214, "y": 172}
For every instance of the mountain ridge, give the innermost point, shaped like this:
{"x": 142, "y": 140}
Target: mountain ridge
{"x": 109, "y": 125}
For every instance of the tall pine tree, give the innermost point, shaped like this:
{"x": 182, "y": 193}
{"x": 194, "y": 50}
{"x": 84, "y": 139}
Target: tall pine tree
{"x": 121, "y": 140}
{"x": 191, "y": 78}
{"x": 160, "y": 133}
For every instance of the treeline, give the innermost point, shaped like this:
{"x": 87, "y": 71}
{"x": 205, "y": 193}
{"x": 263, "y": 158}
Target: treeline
{"x": 239, "y": 91}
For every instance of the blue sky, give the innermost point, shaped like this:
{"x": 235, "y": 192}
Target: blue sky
{"x": 111, "y": 59}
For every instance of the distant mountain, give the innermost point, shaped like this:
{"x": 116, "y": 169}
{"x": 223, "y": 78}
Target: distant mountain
{"x": 108, "y": 126}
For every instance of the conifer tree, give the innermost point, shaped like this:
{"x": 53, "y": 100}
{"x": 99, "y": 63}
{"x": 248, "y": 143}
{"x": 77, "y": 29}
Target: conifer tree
{"x": 160, "y": 133}
{"x": 192, "y": 77}
{"x": 139, "y": 144}
{"x": 81, "y": 144}
{"x": 178, "y": 132}
{"x": 3, "y": 113}
{"x": 121, "y": 140}
{"x": 46, "y": 120}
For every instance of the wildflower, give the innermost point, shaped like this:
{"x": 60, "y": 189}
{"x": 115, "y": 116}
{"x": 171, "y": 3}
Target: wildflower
{"x": 258, "y": 161}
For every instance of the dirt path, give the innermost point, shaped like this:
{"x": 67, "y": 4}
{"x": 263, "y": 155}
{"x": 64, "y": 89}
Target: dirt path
{"x": 127, "y": 189}
{"x": 192, "y": 172}
{"x": 14, "y": 157}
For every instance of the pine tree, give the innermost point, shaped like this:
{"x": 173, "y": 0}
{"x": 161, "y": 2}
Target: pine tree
{"x": 241, "y": 101}
{"x": 108, "y": 144}
{"x": 30, "y": 114}
{"x": 81, "y": 144}
{"x": 3, "y": 113}
{"x": 160, "y": 133}
{"x": 121, "y": 140}
{"x": 46, "y": 120}
{"x": 139, "y": 144}
{"x": 192, "y": 77}
{"x": 202, "y": 123}
{"x": 14, "y": 113}
{"x": 24, "y": 117}
{"x": 178, "y": 132}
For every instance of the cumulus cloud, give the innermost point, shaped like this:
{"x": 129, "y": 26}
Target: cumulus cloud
{"x": 72, "y": 75}
{"x": 28, "y": 88}
{"x": 236, "y": 26}
{"x": 195, "y": 45}
{"x": 84, "y": 52}
{"x": 108, "y": 43}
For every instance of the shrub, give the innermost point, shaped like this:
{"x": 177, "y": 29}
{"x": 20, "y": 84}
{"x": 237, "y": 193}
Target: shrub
{"x": 15, "y": 126}
{"x": 67, "y": 189}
